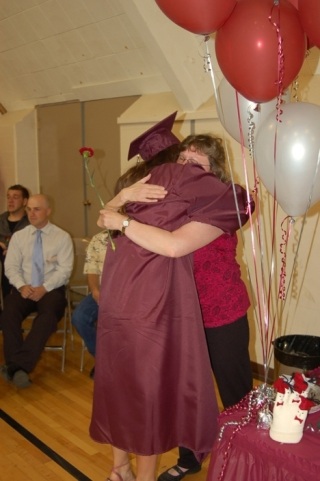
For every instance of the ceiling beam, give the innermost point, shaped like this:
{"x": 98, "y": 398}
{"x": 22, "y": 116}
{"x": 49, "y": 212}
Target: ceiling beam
{"x": 177, "y": 52}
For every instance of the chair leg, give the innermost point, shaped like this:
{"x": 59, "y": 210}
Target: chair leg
{"x": 71, "y": 332}
{"x": 83, "y": 350}
{"x": 64, "y": 342}
{"x": 63, "y": 346}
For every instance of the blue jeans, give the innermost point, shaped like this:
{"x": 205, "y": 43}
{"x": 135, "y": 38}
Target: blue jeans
{"x": 84, "y": 319}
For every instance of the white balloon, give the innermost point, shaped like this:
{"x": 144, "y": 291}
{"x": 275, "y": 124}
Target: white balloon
{"x": 287, "y": 156}
{"x": 248, "y": 113}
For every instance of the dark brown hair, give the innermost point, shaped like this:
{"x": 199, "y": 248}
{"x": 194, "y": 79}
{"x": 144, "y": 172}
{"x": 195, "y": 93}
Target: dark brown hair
{"x": 141, "y": 169}
{"x": 23, "y": 190}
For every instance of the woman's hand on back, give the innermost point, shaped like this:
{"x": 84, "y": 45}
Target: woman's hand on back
{"x": 143, "y": 192}
{"x": 138, "y": 192}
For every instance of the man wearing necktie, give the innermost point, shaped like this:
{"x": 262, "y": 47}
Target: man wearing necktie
{"x": 38, "y": 264}
{"x": 37, "y": 275}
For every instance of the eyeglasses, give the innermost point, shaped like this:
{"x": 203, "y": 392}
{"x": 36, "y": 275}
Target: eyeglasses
{"x": 181, "y": 158}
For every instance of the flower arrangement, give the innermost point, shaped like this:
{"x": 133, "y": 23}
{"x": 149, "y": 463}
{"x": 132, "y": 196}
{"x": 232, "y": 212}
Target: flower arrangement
{"x": 87, "y": 153}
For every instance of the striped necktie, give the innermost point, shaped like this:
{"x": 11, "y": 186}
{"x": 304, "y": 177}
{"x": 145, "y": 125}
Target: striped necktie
{"x": 37, "y": 275}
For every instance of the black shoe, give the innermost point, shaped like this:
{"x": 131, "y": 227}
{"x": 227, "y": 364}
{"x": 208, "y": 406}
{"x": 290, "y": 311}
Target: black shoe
{"x": 166, "y": 476}
{"x": 91, "y": 375}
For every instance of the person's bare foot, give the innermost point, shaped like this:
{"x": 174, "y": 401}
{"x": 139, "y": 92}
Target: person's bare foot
{"x": 122, "y": 473}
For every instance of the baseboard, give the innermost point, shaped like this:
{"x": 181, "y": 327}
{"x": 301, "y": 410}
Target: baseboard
{"x": 258, "y": 373}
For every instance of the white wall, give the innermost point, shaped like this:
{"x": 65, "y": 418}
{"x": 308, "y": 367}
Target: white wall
{"x": 18, "y": 152}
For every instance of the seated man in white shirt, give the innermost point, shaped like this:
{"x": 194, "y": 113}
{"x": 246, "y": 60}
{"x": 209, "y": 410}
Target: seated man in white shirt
{"x": 46, "y": 296}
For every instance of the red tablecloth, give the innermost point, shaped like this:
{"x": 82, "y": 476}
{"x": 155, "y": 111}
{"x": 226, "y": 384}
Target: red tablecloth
{"x": 254, "y": 456}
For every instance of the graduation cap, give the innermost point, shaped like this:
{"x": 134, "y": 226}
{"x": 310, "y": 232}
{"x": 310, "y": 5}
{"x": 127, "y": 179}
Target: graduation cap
{"x": 154, "y": 140}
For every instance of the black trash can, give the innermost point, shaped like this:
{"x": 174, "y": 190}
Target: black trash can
{"x": 296, "y": 353}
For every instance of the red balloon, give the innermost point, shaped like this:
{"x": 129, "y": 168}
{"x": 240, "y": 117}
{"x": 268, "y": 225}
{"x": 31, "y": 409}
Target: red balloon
{"x": 309, "y": 12}
{"x": 198, "y": 16}
{"x": 294, "y": 3}
{"x": 247, "y": 47}
{"x": 309, "y": 44}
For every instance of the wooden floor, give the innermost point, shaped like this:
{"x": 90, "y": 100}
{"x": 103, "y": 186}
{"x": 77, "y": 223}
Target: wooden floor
{"x": 44, "y": 428}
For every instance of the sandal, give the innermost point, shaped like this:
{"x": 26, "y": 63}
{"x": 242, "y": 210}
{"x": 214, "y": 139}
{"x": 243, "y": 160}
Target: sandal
{"x": 166, "y": 476}
{"x": 113, "y": 470}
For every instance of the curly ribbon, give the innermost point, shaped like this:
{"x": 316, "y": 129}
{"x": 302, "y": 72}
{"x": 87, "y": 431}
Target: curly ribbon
{"x": 295, "y": 88}
{"x": 207, "y": 66}
{"x": 251, "y": 128}
{"x": 276, "y": 24}
{"x": 295, "y": 83}
{"x": 283, "y": 251}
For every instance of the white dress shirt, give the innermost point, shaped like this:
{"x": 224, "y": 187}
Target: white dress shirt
{"x": 57, "y": 253}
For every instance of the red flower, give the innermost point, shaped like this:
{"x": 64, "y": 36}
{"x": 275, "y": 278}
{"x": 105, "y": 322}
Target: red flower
{"x": 86, "y": 152}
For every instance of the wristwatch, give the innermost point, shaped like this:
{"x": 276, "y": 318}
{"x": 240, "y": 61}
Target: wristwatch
{"x": 125, "y": 224}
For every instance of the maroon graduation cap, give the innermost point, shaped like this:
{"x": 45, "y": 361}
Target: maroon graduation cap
{"x": 154, "y": 140}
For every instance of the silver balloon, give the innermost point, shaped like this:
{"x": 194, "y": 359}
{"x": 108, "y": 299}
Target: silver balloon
{"x": 287, "y": 156}
{"x": 235, "y": 112}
